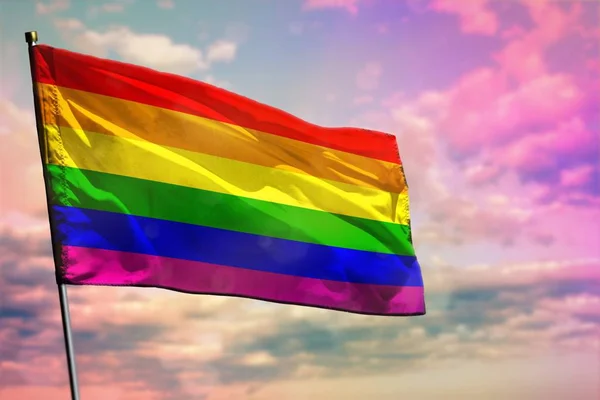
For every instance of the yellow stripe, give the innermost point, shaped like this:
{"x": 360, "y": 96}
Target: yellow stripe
{"x": 145, "y": 160}
{"x": 122, "y": 118}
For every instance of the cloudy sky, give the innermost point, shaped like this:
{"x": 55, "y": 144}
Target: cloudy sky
{"x": 495, "y": 107}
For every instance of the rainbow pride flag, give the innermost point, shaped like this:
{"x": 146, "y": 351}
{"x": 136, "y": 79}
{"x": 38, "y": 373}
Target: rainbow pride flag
{"x": 156, "y": 180}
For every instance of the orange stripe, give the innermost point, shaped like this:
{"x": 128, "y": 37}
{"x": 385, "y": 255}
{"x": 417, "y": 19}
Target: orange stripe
{"x": 112, "y": 116}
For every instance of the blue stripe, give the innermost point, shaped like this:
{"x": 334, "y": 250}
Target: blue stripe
{"x": 120, "y": 232}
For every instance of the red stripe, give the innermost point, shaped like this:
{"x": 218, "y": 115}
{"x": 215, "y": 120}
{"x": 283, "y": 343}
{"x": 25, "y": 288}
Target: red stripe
{"x": 143, "y": 85}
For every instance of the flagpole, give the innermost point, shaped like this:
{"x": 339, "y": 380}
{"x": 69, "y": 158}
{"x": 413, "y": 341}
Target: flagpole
{"x": 31, "y": 38}
{"x": 68, "y": 336}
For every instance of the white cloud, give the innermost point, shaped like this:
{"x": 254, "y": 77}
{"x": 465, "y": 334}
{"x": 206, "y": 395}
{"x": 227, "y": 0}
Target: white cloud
{"x": 216, "y": 82}
{"x": 14, "y": 119}
{"x": 52, "y": 7}
{"x": 166, "y": 4}
{"x": 69, "y": 24}
{"x": 151, "y": 50}
{"x": 111, "y": 8}
{"x": 222, "y": 50}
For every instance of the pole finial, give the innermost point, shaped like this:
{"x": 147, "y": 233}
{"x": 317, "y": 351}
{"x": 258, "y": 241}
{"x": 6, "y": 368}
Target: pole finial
{"x": 31, "y": 37}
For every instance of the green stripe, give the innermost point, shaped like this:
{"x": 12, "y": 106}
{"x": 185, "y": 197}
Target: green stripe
{"x": 115, "y": 193}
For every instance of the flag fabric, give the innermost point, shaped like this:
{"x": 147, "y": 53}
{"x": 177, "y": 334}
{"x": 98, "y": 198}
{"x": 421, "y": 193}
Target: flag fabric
{"x": 156, "y": 180}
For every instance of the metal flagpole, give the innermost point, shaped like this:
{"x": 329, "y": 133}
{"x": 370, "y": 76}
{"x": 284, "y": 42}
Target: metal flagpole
{"x": 66, "y": 325}
{"x": 31, "y": 38}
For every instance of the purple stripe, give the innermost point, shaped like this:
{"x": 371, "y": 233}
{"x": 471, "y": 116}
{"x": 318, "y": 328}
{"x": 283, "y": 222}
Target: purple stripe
{"x": 86, "y": 266}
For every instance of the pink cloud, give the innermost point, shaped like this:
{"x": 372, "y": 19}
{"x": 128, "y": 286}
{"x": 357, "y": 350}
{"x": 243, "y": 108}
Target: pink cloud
{"x": 521, "y": 116}
{"x": 480, "y": 174}
{"x": 454, "y": 215}
{"x": 165, "y": 4}
{"x": 368, "y": 77}
{"x": 538, "y": 152}
{"x": 523, "y": 56}
{"x": 513, "y": 32}
{"x": 577, "y": 176}
{"x": 532, "y": 274}
{"x": 382, "y": 28}
{"x": 52, "y": 6}
{"x": 154, "y": 344}
{"x": 457, "y": 220}
{"x": 92, "y": 392}
{"x": 543, "y": 100}
{"x": 361, "y": 100}
{"x": 593, "y": 65}
{"x": 475, "y": 16}
{"x": 350, "y": 6}
{"x": 485, "y": 111}
{"x": 20, "y": 163}
{"x": 587, "y": 305}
